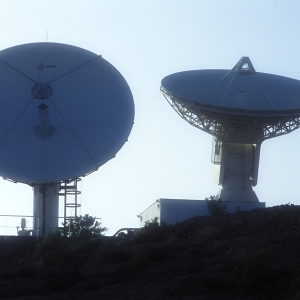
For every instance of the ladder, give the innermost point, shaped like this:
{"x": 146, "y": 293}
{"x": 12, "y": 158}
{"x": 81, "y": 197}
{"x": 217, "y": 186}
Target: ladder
{"x": 69, "y": 189}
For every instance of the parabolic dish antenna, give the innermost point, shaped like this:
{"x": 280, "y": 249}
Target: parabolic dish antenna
{"x": 240, "y": 108}
{"x": 64, "y": 112}
{"x": 235, "y": 102}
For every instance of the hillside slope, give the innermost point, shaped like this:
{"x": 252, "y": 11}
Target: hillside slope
{"x": 246, "y": 255}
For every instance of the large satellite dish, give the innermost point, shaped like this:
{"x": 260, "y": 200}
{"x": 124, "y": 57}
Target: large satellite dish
{"x": 240, "y": 108}
{"x": 64, "y": 112}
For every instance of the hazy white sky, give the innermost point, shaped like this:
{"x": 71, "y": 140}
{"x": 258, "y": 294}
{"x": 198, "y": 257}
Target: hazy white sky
{"x": 165, "y": 157}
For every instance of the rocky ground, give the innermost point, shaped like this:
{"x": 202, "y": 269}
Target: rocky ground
{"x": 246, "y": 255}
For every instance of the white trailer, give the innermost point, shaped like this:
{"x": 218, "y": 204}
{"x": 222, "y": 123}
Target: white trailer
{"x": 172, "y": 211}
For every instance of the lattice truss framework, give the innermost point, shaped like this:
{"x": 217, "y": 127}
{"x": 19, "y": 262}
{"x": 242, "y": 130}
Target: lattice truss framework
{"x": 233, "y": 125}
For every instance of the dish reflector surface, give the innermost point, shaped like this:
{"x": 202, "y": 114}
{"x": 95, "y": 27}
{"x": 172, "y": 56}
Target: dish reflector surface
{"x": 64, "y": 112}
{"x": 241, "y": 88}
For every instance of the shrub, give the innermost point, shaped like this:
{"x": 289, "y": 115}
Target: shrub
{"x": 84, "y": 227}
{"x": 53, "y": 241}
{"x": 255, "y": 269}
{"x": 74, "y": 236}
{"x": 152, "y": 223}
{"x": 215, "y": 206}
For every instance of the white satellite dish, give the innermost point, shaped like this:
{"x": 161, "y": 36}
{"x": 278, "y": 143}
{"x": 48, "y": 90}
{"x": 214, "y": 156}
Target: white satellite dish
{"x": 64, "y": 112}
{"x": 240, "y": 108}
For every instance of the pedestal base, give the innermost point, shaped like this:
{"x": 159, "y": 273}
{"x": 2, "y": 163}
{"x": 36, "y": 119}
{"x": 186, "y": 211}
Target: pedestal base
{"x": 237, "y": 188}
{"x": 45, "y": 211}
{"x": 237, "y": 195}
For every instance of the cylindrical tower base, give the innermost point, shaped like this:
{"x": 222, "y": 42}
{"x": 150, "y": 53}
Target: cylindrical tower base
{"x": 45, "y": 209}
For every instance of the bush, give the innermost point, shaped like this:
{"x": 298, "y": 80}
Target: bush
{"x": 74, "y": 236}
{"x": 53, "y": 241}
{"x": 215, "y": 206}
{"x": 84, "y": 227}
{"x": 255, "y": 270}
{"x": 152, "y": 223}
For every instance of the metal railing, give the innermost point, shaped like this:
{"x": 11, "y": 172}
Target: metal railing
{"x": 22, "y": 225}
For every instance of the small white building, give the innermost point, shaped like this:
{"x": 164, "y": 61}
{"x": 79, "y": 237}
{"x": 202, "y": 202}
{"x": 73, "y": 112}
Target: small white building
{"x": 172, "y": 211}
